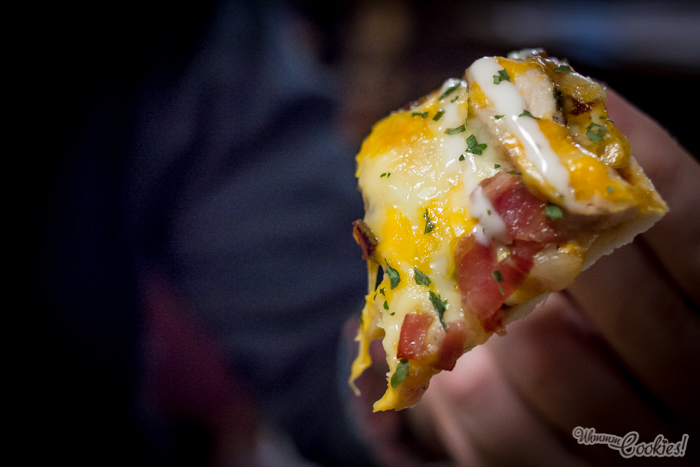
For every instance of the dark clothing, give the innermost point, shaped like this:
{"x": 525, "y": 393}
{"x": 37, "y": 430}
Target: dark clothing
{"x": 215, "y": 162}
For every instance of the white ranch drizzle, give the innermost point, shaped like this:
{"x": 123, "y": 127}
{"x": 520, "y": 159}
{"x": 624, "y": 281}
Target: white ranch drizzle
{"x": 490, "y": 225}
{"x": 508, "y": 102}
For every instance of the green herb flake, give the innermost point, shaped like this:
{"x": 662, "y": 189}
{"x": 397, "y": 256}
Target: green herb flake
{"x": 385, "y": 174}
{"x": 392, "y": 313}
{"x": 497, "y": 166}
{"x": 460, "y": 129}
{"x": 381, "y": 291}
{"x": 526, "y": 113}
{"x": 438, "y": 115}
{"x": 439, "y": 305}
{"x": 501, "y": 76}
{"x": 498, "y": 117}
{"x": 488, "y": 211}
{"x": 386, "y": 305}
{"x": 449, "y": 91}
{"x": 393, "y": 274}
{"x": 455, "y": 99}
{"x": 429, "y": 226}
{"x": 553, "y": 211}
{"x": 420, "y": 114}
{"x": 421, "y": 278}
{"x": 474, "y": 147}
{"x": 610, "y": 189}
{"x": 563, "y": 69}
{"x": 400, "y": 373}
{"x": 498, "y": 277}
{"x": 514, "y": 172}
{"x": 595, "y": 132}
{"x": 461, "y": 158}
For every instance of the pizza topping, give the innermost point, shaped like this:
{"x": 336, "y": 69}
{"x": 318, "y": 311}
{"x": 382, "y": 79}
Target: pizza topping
{"x": 507, "y": 100}
{"x": 364, "y": 237}
{"x": 498, "y": 277}
{"x": 439, "y": 305}
{"x": 526, "y": 113}
{"x": 449, "y": 91}
{"x": 400, "y": 373}
{"x": 460, "y": 129}
{"x": 429, "y": 226}
{"x": 491, "y": 226}
{"x": 413, "y": 337}
{"x": 474, "y": 147}
{"x": 393, "y": 274}
{"x": 522, "y": 213}
{"x": 595, "y": 132}
{"x": 421, "y": 279}
{"x": 553, "y": 211}
{"x": 452, "y": 345}
{"x": 483, "y": 290}
{"x": 502, "y": 75}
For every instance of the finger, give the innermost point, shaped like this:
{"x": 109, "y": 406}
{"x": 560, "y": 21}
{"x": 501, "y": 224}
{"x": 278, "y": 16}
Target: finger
{"x": 564, "y": 371}
{"x": 646, "y": 323}
{"x": 481, "y": 420}
{"x": 675, "y": 240}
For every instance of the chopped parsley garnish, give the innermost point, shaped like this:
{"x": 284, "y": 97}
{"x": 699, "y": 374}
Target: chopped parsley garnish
{"x": 421, "y": 278}
{"x": 497, "y": 166}
{"x": 461, "y": 158}
{"x": 393, "y": 274}
{"x": 439, "y": 305}
{"x": 459, "y": 129}
{"x": 386, "y": 305}
{"x": 514, "y": 172}
{"x": 474, "y": 147}
{"x": 498, "y": 117}
{"x": 488, "y": 211}
{"x": 438, "y": 115}
{"x": 400, "y": 373}
{"x": 381, "y": 291}
{"x": 595, "y": 132}
{"x": 455, "y": 98}
{"x": 429, "y": 226}
{"x": 526, "y": 113}
{"x": 501, "y": 76}
{"x": 392, "y": 313}
{"x": 385, "y": 174}
{"x": 498, "y": 277}
{"x": 553, "y": 211}
{"x": 420, "y": 114}
{"x": 610, "y": 189}
{"x": 449, "y": 91}
{"x": 563, "y": 69}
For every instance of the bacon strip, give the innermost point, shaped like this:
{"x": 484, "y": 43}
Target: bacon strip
{"x": 364, "y": 237}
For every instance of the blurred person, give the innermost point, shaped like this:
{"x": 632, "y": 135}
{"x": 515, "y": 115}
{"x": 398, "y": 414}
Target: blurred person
{"x": 193, "y": 263}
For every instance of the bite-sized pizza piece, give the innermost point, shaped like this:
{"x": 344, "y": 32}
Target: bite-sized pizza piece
{"x": 481, "y": 198}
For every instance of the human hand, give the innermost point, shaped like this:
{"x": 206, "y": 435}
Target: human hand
{"x": 618, "y": 351}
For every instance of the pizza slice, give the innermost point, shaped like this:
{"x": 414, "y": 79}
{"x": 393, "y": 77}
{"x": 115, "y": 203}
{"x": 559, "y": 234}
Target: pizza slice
{"x": 480, "y": 199}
